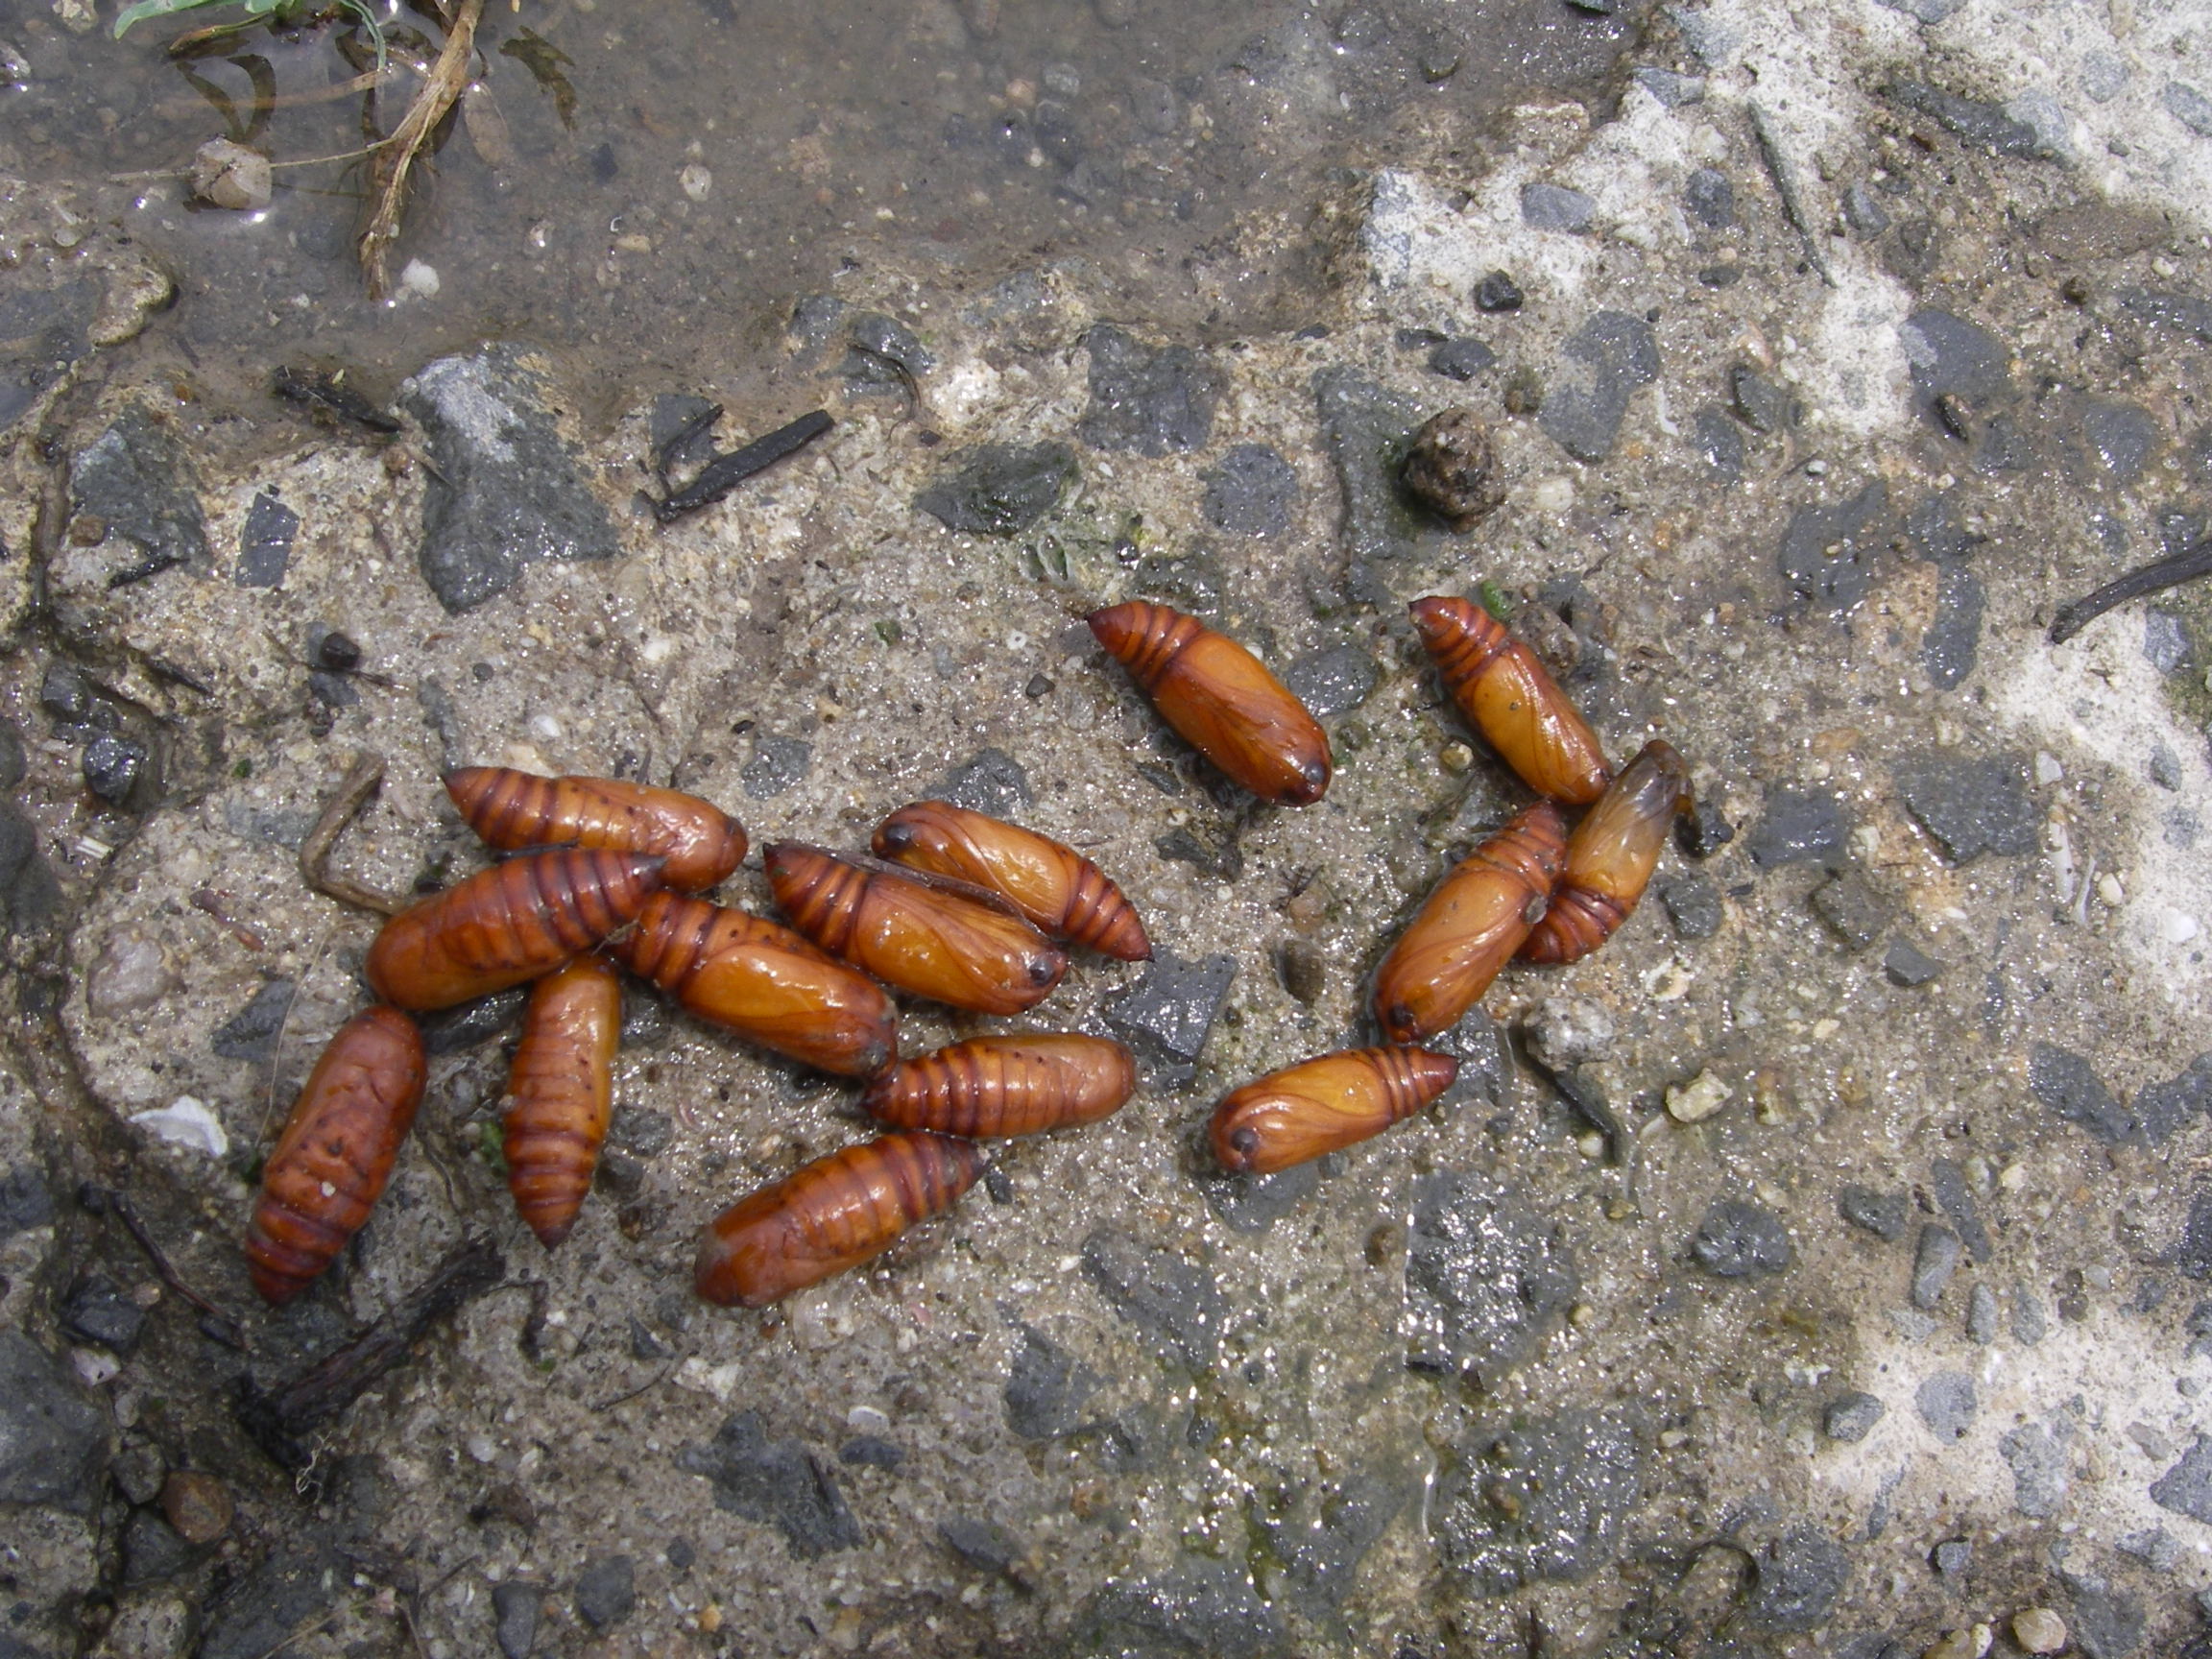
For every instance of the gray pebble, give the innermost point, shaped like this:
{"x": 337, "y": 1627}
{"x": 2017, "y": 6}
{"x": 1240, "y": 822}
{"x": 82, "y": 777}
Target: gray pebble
{"x": 1947, "y": 1181}
{"x": 2186, "y": 1488}
{"x": 1738, "y": 1239}
{"x": 1947, "y": 1403}
{"x": 1166, "y": 1015}
{"x": 1486, "y": 1279}
{"x": 1599, "y": 366}
{"x": 2189, "y": 107}
{"x": 136, "y": 480}
{"x": 96, "y": 1311}
{"x": 1925, "y": 11}
{"x": 993, "y": 782}
{"x": 1970, "y": 805}
{"x": 1719, "y": 442}
{"x": 1366, "y": 429}
{"x": 2161, "y": 1109}
{"x": 1254, "y": 1203}
{"x": 2036, "y": 1453}
{"x": 1797, "y": 827}
{"x": 1885, "y": 1215}
{"x": 1828, "y": 552}
{"x": 1933, "y": 1260}
{"x": 1952, "y": 358}
{"x": 1498, "y": 292}
{"x": 152, "y": 1550}
{"x": 1855, "y": 912}
{"x": 1173, "y": 1300}
{"x": 1150, "y": 401}
{"x": 778, "y": 1483}
{"x": 2184, "y": 313}
{"x": 1547, "y": 1498}
{"x": 1952, "y": 1557}
{"x": 1000, "y": 489}
{"x": 2193, "y": 1255}
{"x": 2154, "y": 1545}
{"x": 2120, "y": 435}
{"x": 1799, "y": 1578}
{"x": 25, "y": 1203}
{"x": 1692, "y": 905}
{"x": 1864, "y": 213}
{"x": 870, "y": 1452}
{"x": 1983, "y": 1320}
{"x": 27, "y": 889}
{"x": 1852, "y": 1416}
{"x": 1983, "y": 125}
{"x": 251, "y": 1033}
{"x": 1758, "y": 402}
{"x": 1196, "y": 1606}
{"x": 451, "y": 1030}
{"x": 1252, "y": 491}
{"x": 139, "y": 1472}
{"x": 607, "y": 1591}
{"x": 1555, "y": 207}
{"x": 674, "y": 412}
{"x": 265, "y": 543}
{"x": 1953, "y": 642}
{"x": 1046, "y": 1388}
{"x": 1333, "y": 681}
{"x": 1672, "y": 89}
{"x": 1461, "y": 358}
{"x": 777, "y": 764}
{"x": 2104, "y": 77}
{"x": 981, "y": 1543}
{"x": 113, "y": 766}
{"x": 1303, "y": 969}
{"x": 2066, "y": 1083}
{"x": 1710, "y": 199}
{"x": 882, "y": 347}
{"x": 514, "y": 1606}
{"x": 1907, "y": 965}
{"x": 503, "y": 488}
{"x": 53, "y": 1439}
{"x": 2030, "y": 1323}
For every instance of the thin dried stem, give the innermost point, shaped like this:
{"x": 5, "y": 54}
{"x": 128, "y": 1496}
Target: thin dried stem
{"x": 447, "y": 79}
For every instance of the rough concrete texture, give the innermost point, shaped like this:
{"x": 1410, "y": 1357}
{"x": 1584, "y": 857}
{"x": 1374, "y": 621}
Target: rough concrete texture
{"x": 1922, "y": 1278}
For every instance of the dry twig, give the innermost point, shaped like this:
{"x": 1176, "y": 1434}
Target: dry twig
{"x": 388, "y": 175}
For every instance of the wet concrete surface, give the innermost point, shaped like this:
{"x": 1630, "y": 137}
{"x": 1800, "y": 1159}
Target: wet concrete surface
{"x": 1847, "y": 1295}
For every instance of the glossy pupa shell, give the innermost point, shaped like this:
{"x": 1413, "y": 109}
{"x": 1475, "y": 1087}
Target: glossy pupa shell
{"x": 1505, "y": 694}
{"x": 1054, "y": 886}
{"x": 1296, "y": 1115}
{"x": 700, "y": 843}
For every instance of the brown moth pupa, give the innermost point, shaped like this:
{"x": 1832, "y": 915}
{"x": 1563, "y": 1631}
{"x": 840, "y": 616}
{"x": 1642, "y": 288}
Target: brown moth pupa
{"x": 560, "y": 1089}
{"x": 1296, "y": 1115}
{"x": 331, "y": 1163}
{"x": 834, "y": 1213}
{"x": 1469, "y": 928}
{"x": 914, "y": 931}
{"x": 1055, "y": 887}
{"x": 507, "y": 924}
{"x": 1011, "y": 1085}
{"x": 701, "y": 843}
{"x": 1221, "y": 699}
{"x": 1505, "y": 694}
{"x": 1611, "y": 856}
{"x": 764, "y": 982}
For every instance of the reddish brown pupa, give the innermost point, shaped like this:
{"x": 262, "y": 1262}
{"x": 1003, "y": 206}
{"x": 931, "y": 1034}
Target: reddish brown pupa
{"x": 562, "y": 1092}
{"x": 1296, "y": 1115}
{"x": 507, "y": 924}
{"x": 1010, "y": 1085}
{"x": 1611, "y": 856}
{"x": 511, "y": 809}
{"x": 1221, "y": 699}
{"x": 1505, "y": 694}
{"x": 832, "y": 1214}
{"x": 764, "y": 982}
{"x": 911, "y": 932}
{"x": 1054, "y": 886}
{"x": 331, "y": 1163}
{"x": 1469, "y": 928}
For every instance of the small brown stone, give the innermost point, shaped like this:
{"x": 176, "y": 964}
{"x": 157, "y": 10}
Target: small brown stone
{"x": 198, "y": 1506}
{"x": 1451, "y": 470}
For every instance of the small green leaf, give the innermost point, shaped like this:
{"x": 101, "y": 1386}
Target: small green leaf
{"x": 889, "y": 632}
{"x": 1493, "y": 598}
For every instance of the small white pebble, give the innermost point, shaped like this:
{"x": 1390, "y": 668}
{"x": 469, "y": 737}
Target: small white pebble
{"x": 1590, "y": 1145}
{"x": 2039, "y": 1630}
{"x": 1553, "y": 494}
{"x": 93, "y": 1367}
{"x": 1697, "y": 1100}
{"x": 866, "y": 1419}
{"x": 483, "y": 1448}
{"x": 2046, "y": 767}
{"x": 545, "y": 728}
{"x": 697, "y": 181}
{"x": 185, "y": 1122}
{"x": 2012, "y": 1177}
{"x": 2180, "y": 927}
{"x": 420, "y": 279}
{"x": 2109, "y": 890}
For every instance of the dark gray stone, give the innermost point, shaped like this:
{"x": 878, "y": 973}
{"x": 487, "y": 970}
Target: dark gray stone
{"x": 1738, "y": 1239}
{"x": 2030, "y": 1323}
{"x": 1203, "y": 1608}
{"x": 981, "y": 1543}
{"x": 1366, "y": 430}
{"x": 28, "y": 890}
{"x": 12, "y": 761}
{"x": 1498, "y": 292}
{"x": 1952, "y": 358}
{"x": 1935, "y": 532}
{"x": 1947, "y": 1403}
{"x": 2069, "y": 1085}
{"x": 95, "y": 1311}
{"x": 1721, "y": 442}
{"x": 1799, "y": 1577}
{"x": 265, "y": 543}
{"x": 251, "y": 1033}
{"x": 1599, "y": 368}
{"x": 1671, "y": 89}
{"x": 1828, "y": 553}
{"x": 1461, "y": 358}
{"x": 1555, "y": 207}
{"x": 607, "y": 1591}
{"x": 1333, "y": 681}
{"x": 1983, "y": 125}
{"x": 1905, "y": 964}
{"x": 514, "y": 1606}
{"x": 134, "y": 478}
{"x": 1692, "y": 905}
{"x": 333, "y": 691}
{"x": 265, "y": 1611}
{"x": 1487, "y": 1069}
{"x": 1947, "y": 1181}
{"x": 1925, "y": 11}
{"x": 1149, "y": 402}
{"x": 2154, "y": 1545}
{"x": 778, "y": 1483}
{"x": 139, "y": 1472}
{"x": 1486, "y": 1279}
{"x": 152, "y": 1550}
{"x": 1046, "y": 1388}
{"x": 1173, "y": 1300}
{"x": 1855, "y": 912}
{"x": 2120, "y": 435}
{"x": 993, "y": 782}
{"x": 2162, "y": 1108}
{"x": 885, "y": 355}
{"x": 1322, "y": 1539}
{"x": 872, "y": 1451}
{"x": 1758, "y": 402}
{"x": 1000, "y": 489}
{"x": 2107, "y": 1623}
{"x": 1852, "y": 1416}
{"x": 2184, "y": 313}
{"x": 2186, "y": 1488}
{"x": 1800, "y": 829}
{"x": 1971, "y": 805}
{"x": 112, "y": 767}
{"x": 65, "y": 694}
{"x": 1254, "y": 1203}
{"x": 1710, "y": 199}
{"x": 24, "y": 1201}
{"x": 1253, "y": 491}
{"x": 503, "y": 490}
{"x": 777, "y": 764}
{"x": 1953, "y": 642}
{"x": 53, "y": 1439}
{"x": 2036, "y": 1453}
{"x": 1952, "y": 1557}
{"x": 1864, "y": 213}
{"x": 454, "y": 1030}
{"x": 1546, "y": 1500}
{"x": 2194, "y": 1254}
{"x": 1165, "y": 1016}
{"x": 2188, "y": 105}
{"x": 1934, "y": 1260}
